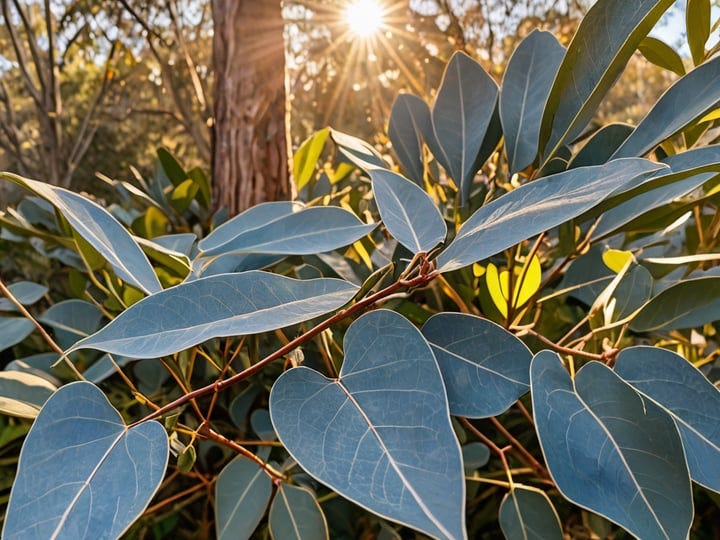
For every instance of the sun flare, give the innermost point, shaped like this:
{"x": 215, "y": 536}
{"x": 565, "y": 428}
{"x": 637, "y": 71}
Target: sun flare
{"x": 364, "y": 17}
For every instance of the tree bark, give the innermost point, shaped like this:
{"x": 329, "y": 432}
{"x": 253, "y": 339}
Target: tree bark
{"x": 250, "y": 154}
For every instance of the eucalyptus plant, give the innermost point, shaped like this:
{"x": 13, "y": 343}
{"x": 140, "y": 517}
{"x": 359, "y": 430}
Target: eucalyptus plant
{"x": 515, "y": 282}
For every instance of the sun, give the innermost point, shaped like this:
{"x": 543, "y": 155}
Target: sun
{"x": 364, "y": 17}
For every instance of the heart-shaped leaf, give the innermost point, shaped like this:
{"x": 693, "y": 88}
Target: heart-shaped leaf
{"x": 485, "y": 368}
{"x": 527, "y": 513}
{"x": 216, "y": 306}
{"x": 526, "y": 84}
{"x": 101, "y": 230}
{"x": 461, "y": 115}
{"x": 537, "y": 207}
{"x": 690, "y": 398}
{"x": 242, "y": 494}
{"x": 83, "y": 473}
{"x": 380, "y": 434}
{"x": 407, "y": 211}
{"x": 296, "y": 515}
{"x": 610, "y": 450}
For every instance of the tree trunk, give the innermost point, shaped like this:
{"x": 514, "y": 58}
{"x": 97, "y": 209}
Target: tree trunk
{"x": 250, "y": 155}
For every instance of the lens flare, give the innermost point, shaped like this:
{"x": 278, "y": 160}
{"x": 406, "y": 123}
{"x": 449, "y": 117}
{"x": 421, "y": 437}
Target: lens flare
{"x": 364, "y": 17}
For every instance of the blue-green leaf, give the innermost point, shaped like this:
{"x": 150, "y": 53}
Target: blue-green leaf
{"x": 461, "y": 116}
{"x": 475, "y": 455}
{"x": 674, "y": 110}
{"x": 601, "y": 145}
{"x": 688, "y": 171}
{"x": 254, "y": 218}
{"x": 526, "y": 513}
{"x": 296, "y": 515}
{"x": 693, "y": 402}
{"x": 405, "y": 130}
{"x": 303, "y": 231}
{"x": 242, "y": 494}
{"x": 485, "y": 368}
{"x": 525, "y": 89}
{"x": 380, "y": 434}
{"x": 407, "y": 211}
{"x": 13, "y": 330}
{"x": 609, "y": 450}
{"x": 83, "y": 473}
{"x": 687, "y": 304}
{"x": 25, "y": 292}
{"x": 604, "y": 42}
{"x": 101, "y": 230}
{"x": 72, "y": 320}
{"x": 537, "y": 207}
{"x": 216, "y": 306}
{"x": 23, "y": 394}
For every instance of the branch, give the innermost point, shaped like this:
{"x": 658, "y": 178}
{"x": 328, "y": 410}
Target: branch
{"x": 20, "y": 56}
{"x": 423, "y": 278}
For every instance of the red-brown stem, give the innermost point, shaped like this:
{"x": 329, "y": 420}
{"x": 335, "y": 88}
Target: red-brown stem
{"x": 208, "y": 433}
{"x": 534, "y": 463}
{"x": 566, "y": 350}
{"x": 173, "y": 498}
{"x": 366, "y": 302}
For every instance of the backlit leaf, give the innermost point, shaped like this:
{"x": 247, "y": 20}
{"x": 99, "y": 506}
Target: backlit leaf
{"x": 306, "y": 158}
{"x": 23, "y": 394}
{"x": 405, "y": 132}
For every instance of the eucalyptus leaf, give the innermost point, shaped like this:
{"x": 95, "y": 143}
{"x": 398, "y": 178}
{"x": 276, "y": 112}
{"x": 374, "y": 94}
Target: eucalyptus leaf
{"x": 537, "y": 207}
{"x": 295, "y": 514}
{"x": 25, "y": 292}
{"x": 461, "y": 115}
{"x": 601, "y": 145}
{"x": 304, "y": 232}
{"x": 687, "y": 304}
{"x": 485, "y": 368}
{"x": 661, "y": 54}
{"x": 610, "y": 450}
{"x": 23, "y": 394}
{"x": 525, "y": 88}
{"x": 405, "y": 132}
{"x": 216, "y": 306}
{"x": 101, "y": 230}
{"x": 409, "y": 214}
{"x": 380, "y": 434}
{"x": 242, "y": 494}
{"x": 82, "y": 472}
{"x": 601, "y": 48}
{"x": 13, "y": 330}
{"x": 72, "y": 320}
{"x": 690, "y": 398}
{"x": 526, "y": 513}
{"x": 674, "y": 110}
